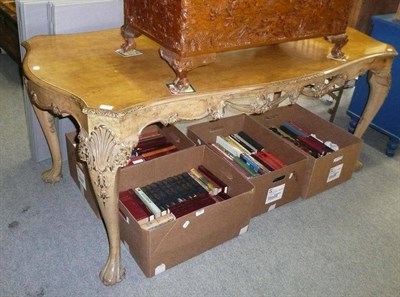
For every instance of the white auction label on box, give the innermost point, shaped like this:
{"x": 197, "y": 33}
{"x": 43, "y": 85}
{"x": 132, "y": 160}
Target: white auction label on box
{"x": 275, "y": 193}
{"x": 334, "y": 173}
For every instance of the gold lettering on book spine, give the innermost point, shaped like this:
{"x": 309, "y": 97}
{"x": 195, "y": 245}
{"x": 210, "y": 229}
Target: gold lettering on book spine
{"x": 103, "y": 155}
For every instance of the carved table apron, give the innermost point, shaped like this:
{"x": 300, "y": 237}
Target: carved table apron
{"x": 113, "y": 98}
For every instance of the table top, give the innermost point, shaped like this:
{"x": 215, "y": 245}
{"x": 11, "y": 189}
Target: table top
{"x": 86, "y": 66}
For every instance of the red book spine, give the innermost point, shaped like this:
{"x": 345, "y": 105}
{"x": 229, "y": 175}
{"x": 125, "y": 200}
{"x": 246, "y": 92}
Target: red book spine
{"x": 191, "y": 205}
{"x": 274, "y": 158}
{"x": 162, "y": 150}
{"x": 135, "y": 207}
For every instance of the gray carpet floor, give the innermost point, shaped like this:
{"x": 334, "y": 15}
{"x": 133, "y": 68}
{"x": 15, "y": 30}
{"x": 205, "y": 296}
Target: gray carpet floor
{"x": 342, "y": 242}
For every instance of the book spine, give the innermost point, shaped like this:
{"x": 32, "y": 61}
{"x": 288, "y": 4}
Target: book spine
{"x": 261, "y": 160}
{"x": 245, "y": 166}
{"x": 294, "y": 129}
{"x": 244, "y": 143}
{"x": 158, "y": 151}
{"x": 301, "y": 129}
{"x": 234, "y": 151}
{"x": 200, "y": 183}
{"x": 148, "y": 202}
{"x": 142, "y": 149}
{"x": 267, "y": 160}
{"x": 148, "y": 135}
{"x": 193, "y": 187}
{"x": 293, "y": 140}
{"x": 218, "y": 181}
{"x": 135, "y": 208}
{"x": 236, "y": 144}
{"x": 250, "y": 140}
{"x": 252, "y": 163}
{"x": 154, "y": 195}
{"x": 273, "y": 158}
{"x": 214, "y": 147}
{"x": 212, "y": 188}
{"x": 189, "y": 206}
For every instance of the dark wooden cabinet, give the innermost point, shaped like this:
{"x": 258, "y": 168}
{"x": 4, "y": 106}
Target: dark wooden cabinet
{"x": 9, "y": 39}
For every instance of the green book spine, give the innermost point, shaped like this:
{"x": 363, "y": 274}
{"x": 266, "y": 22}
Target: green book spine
{"x": 244, "y": 166}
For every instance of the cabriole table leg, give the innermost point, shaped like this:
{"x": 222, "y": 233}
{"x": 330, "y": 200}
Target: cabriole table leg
{"x": 46, "y": 120}
{"x": 104, "y": 156}
{"x": 379, "y": 81}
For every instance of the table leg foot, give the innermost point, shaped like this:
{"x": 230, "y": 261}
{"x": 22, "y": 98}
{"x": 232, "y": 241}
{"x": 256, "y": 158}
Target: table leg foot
{"x": 51, "y": 175}
{"x": 113, "y": 272}
{"x": 359, "y": 165}
{"x": 392, "y": 146}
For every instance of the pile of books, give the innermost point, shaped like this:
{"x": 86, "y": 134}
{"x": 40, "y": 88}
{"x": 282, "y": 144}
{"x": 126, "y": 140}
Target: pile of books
{"x": 168, "y": 199}
{"x": 305, "y": 140}
{"x": 247, "y": 155}
{"x": 151, "y": 145}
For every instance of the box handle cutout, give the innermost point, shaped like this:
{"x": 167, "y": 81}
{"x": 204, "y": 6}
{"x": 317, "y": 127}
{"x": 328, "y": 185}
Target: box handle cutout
{"x": 270, "y": 117}
{"x": 217, "y": 129}
{"x": 279, "y": 178}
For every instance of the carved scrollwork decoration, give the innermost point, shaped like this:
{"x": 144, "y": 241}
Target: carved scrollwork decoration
{"x": 324, "y": 86}
{"x": 259, "y": 105}
{"x": 265, "y": 101}
{"x": 173, "y": 118}
{"x": 262, "y": 102}
{"x": 216, "y": 112}
{"x": 103, "y": 155}
{"x": 294, "y": 95}
{"x": 54, "y": 109}
{"x": 50, "y": 120}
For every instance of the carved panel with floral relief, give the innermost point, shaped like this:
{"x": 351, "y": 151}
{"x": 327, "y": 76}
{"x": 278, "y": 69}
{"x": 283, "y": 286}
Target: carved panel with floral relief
{"x": 204, "y": 26}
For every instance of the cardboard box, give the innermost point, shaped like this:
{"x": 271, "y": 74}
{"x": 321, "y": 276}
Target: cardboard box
{"x": 171, "y": 243}
{"x": 79, "y": 172}
{"x": 272, "y": 189}
{"x": 327, "y": 171}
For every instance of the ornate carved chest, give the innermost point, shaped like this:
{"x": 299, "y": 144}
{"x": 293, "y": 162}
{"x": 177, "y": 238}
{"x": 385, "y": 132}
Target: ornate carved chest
{"x": 190, "y": 32}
